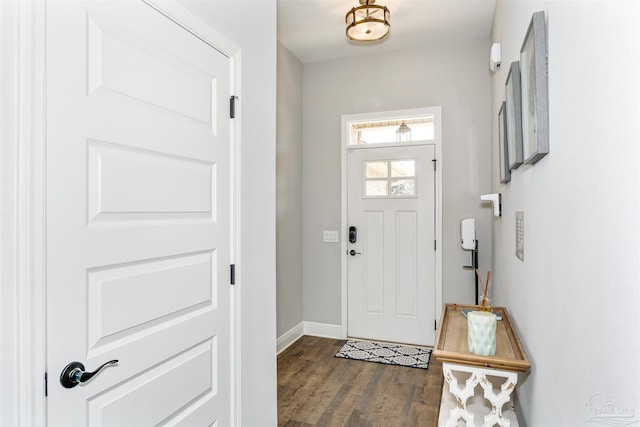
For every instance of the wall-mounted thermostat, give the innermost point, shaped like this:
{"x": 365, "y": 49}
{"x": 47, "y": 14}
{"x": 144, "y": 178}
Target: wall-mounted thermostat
{"x": 495, "y": 56}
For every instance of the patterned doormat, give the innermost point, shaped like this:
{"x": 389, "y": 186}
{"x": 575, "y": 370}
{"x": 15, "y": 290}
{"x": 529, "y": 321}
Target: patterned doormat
{"x": 391, "y": 354}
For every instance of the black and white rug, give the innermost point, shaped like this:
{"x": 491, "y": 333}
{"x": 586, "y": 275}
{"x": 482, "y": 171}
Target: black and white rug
{"x": 391, "y": 354}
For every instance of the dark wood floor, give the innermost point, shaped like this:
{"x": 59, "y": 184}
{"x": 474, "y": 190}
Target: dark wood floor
{"x": 317, "y": 389}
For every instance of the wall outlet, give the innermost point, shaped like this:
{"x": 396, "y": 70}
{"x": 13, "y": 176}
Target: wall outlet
{"x": 330, "y": 236}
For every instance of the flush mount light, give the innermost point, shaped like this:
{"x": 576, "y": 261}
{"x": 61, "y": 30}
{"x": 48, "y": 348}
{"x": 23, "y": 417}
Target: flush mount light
{"x": 367, "y": 22}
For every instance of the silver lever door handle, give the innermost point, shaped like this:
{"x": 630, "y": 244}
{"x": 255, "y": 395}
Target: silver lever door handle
{"x": 74, "y": 373}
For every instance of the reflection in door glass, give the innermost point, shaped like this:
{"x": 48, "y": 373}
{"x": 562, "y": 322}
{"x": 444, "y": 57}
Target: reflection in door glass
{"x": 377, "y": 188}
{"x": 403, "y": 168}
{"x": 390, "y": 178}
{"x": 403, "y": 187}
{"x": 386, "y": 132}
{"x": 377, "y": 169}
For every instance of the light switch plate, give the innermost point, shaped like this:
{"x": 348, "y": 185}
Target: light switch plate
{"x": 520, "y": 235}
{"x": 330, "y": 236}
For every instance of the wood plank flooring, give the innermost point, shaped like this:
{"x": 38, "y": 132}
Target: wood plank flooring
{"x": 317, "y": 389}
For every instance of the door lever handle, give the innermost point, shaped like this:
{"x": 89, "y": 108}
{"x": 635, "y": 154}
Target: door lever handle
{"x": 74, "y": 373}
{"x": 353, "y": 252}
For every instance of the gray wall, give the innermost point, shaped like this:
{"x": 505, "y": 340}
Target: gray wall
{"x": 288, "y": 192}
{"x": 455, "y": 77}
{"x": 575, "y": 299}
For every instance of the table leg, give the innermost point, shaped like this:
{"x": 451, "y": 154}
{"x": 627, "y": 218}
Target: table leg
{"x": 463, "y": 393}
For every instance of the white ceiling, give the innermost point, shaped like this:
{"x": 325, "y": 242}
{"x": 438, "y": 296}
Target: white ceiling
{"x": 314, "y": 30}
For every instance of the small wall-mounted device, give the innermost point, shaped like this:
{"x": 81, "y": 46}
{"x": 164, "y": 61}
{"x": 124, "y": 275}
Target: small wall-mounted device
{"x": 470, "y": 243}
{"x": 495, "y": 56}
{"x": 496, "y": 199}
{"x": 468, "y": 234}
{"x": 353, "y": 234}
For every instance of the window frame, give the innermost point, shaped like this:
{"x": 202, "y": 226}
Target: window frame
{"x": 389, "y": 178}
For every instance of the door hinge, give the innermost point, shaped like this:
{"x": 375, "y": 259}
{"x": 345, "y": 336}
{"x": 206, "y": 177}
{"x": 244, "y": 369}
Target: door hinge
{"x": 233, "y": 274}
{"x": 434, "y": 164}
{"x": 435, "y": 324}
{"x": 232, "y": 106}
{"x": 46, "y": 385}
{"x": 435, "y": 245}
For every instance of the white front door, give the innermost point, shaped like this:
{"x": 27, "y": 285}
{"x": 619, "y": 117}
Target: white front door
{"x": 391, "y": 258}
{"x": 138, "y": 218}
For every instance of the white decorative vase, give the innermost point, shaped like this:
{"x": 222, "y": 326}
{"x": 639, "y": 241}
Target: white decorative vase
{"x": 482, "y": 333}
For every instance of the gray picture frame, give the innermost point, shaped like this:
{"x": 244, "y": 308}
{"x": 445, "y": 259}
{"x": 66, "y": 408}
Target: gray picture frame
{"x": 503, "y": 144}
{"x": 513, "y": 97}
{"x": 535, "y": 91}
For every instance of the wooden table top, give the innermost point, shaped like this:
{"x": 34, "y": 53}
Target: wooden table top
{"x": 452, "y": 347}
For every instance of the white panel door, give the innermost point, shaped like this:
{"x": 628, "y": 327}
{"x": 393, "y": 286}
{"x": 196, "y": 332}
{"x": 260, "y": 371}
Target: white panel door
{"x": 138, "y": 218}
{"x": 391, "y": 264}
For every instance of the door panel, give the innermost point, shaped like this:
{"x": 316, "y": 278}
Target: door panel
{"x": 138, "y": 218}
{"x": 406, "y": 263}
{"x": 125, "y": 298}
{"x": 121, "y": 64}
{"x": 126, "y": 183}
{"x": 373, "y": 234}
{"x": 138, "y": 397}
{"x": 391, "y": 277}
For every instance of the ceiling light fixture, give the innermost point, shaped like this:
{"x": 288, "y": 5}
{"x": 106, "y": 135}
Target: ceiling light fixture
{"x": 367, "y": 22}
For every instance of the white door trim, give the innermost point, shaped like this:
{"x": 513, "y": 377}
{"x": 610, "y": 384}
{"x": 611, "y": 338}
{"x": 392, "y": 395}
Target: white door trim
{"x": 22, "y": 205}
{"x": 22, "y": 364}
{"x": 346, "y": 121}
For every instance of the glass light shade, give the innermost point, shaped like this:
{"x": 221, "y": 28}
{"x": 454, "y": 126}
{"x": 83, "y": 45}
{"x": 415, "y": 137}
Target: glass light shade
{"x": 367, "y": 22}
{"x": 403, "y": 133}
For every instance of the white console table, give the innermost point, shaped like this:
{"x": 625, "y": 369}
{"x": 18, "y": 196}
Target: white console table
{"x": 464, "y": 371}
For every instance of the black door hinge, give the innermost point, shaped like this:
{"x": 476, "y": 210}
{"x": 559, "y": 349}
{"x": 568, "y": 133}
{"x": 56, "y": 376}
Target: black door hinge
{"x": 435, "y": 324}
{"x": 46, "y": 385}
{"x": 232, "y": 106}
{"x": 233, "y": 274}
{"x": 434, "y": 164}
{"x": 435, "y": 245}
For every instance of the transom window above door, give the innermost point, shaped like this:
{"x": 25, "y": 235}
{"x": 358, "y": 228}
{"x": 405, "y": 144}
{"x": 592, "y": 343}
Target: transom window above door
{"x": 393, "y": 131}
{"x": 390, "y": 178}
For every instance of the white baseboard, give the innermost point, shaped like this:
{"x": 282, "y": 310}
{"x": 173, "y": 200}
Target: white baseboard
{"x": 289, "y": 337}
{"x": 324, "y": 330}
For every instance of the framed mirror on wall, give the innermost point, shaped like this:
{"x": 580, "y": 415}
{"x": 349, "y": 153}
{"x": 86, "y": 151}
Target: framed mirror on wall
{"x": 513, "y": 98}
{"x": 535, "y": 92}
{"x": 505, "y": 173}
